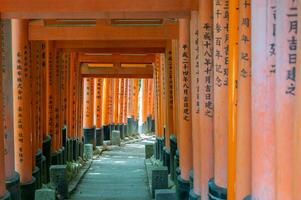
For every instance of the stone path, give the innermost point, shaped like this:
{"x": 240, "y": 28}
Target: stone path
{"x": 119, "y": 174}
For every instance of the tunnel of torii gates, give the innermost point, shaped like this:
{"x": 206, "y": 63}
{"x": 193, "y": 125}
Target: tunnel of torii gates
{"x": 68, "y": 75}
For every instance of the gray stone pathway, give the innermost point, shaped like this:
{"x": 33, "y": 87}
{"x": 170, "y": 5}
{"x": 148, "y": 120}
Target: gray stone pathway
{"x": 119, "y": 174}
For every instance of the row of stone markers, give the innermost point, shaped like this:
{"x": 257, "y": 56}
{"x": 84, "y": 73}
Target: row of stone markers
{"x": 234, "y": 122}
{"x": 112, "y": 104}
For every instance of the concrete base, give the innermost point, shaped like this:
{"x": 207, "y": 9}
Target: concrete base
{"x": 194, "y": 196}
{"x": 6, "y": 196}
{"x": 89, "y": 136}
{"x": 47, "y": 154}
{"x": 216, "y": 192}
{"x": 81, "y": 149}
{"x": 130, "y": 126}
{"x": 13, "y": 187}
{"x": 115, "y": 140}
{"x": 37, "y": 174}
{"x": 99, "y": 136}
{"x": 44, "y": 171}
{"x": 183, "y": 188}
{"x": 45, "y": 194}
{"x": 165, "y": 194}
{"x": 159, "y": 179}
{"x": 149, "y": 150}
{"x": 28, "y": 190}
{"x": 58, "y": 179}
{"x": 88, "y": 151}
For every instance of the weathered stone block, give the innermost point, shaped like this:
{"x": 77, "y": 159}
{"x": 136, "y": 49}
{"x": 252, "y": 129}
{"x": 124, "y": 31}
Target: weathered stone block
{"x": 149, "y": 150}
{"x": 58, "y": 179}
{"x": 165, "y": 194}
{"x": 88, "y": 151}
{"x": 159, "y": 179}
{"x": 115, "y": 140}
{"x": 45, "y": 194}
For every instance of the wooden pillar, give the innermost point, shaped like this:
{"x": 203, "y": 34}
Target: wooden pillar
{"x": 205, "y": 159}
{"x": 175, "y": 60}
{"x": 185, "y": 137}
{"x": 243, "y": 137}
{"x": 21, "y": 87}
{"x": 121, "y": 101}
{"x": 3, "y": 63}
{"x": 125, "y": 103}
{"x": 220, "y": 10}
{"x": 88, "y": 121}
{"x": 232, "y": 93}
{"x": 195, "y": 100}
{"x": 263, "y": 99}
{"x": 98, "y": 86}
{"x": 158, "y": 115}
{"x": 7, "y": 96}
{"x": 145, "y": 99}
{"x": 105, "y": 102}
{"x": 150, "y": 101}
{"x": 168, "y": 91}
{"x": 115, "y": 101}
{"x": 286, "y": 60}
{"x": 135, "y": 98}
{"x": 111, "y": 98}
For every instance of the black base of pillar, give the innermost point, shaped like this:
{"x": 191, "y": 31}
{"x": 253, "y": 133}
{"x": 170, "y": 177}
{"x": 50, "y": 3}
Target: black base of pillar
{"x": 69, "y": 150}
{"x": 99, "y": 136}
{"x": 28, "y": 190}
{"x": 157, "y": 155}
{"x": 166, "y": 161}
{"x": 47, "y": 154}
{"x": 39, "y": 165}
{"x": 249, "y": 197}
{"x": 89, "y": 136}
{"x": 182, "y": 189}
{"x": 216, "y": 192}
{"x": 44, "y": 171}
{"x": 55, "y": 159}
{"x": 194, "y": 196}
{"x": 64, "y": 136}
{"x": 7, "y": 196}
{"x": 121, "y": 129}
{"x": 153, "y": 126}
{"x": 173, "y": 149}
{"x": 191, "y": 176}
{"x": 37, "y": 175}
{"x": 13, "y": 187}
{"x": 161, "y": 147}
{"x": 106, "y": 132}
{"x": 80, "y": 149}
{"x": 75, "y": 149}
{"x": 64, "y": 155}
{"x": 60, "y": 156}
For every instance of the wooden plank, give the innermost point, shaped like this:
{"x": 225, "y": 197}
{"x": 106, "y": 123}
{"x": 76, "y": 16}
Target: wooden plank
{"x": 102, "y": 31}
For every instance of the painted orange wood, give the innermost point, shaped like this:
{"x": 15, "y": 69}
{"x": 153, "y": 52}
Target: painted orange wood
{"x": 244, "y": 129}
{"x": 185, "y": 135}
{"x": 144, "y": 100}
{"x": 206, "y": 152}
{"x": 286, "y": 54}
{"x": 21, "y": 88}
{"x": 175, "y": 60}
{"x": 88, "y": 103}
{"x": 104, "y": 105}
{"x": 125, "y": 105}
{"x": 120, "y": 101}
{"x": 220, "y": 8}
{"x": 263, "y": 100}
{"x": 195, "y": 99}
{"x": 115, "y": 100}
{"x": 135, "y": 98}
{"x": 98, "y": 91}
{"x": 102, "y": 31}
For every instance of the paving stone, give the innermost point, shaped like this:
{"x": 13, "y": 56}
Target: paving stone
{"x": 88, "y": 151}
{"x": 58, "y": 179}
{"x": 115, "y": 138}
{"x": 45, "y": 194}
{"x": 159, "y": 178}
{"x": 165, "y": 194}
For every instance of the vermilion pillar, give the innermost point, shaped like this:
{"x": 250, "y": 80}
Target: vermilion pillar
{"x": 111, "y": 102}
{"x": 125, "y": 106}
{"x": 144, "y": 100}
{"x": 21, "y": 88}
{"x": 105, "y": 108}
{"x": 120, "y": 107}
{"x": 3, "y": 63}
{"x": 263, "y": 99}
{"x": 98, "y": 88}
{"x": 185, "y": 137}
{"x": 286, "y": 60}
{"x": 88, "y": 116}
{"x": 206, "y": 78}
{"x": 243, "y": 150}
{"x": 221, "y": 61}
{"x": 135, "y": 104}
{"x": 195, "y": 102}
{"x": 115, "y": 101}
